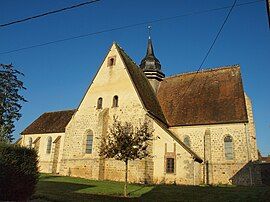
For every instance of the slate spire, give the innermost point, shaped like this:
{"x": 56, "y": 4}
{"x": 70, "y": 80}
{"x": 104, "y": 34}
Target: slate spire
{"x": 151, "y": 65}
{"x": 150, "y": 62}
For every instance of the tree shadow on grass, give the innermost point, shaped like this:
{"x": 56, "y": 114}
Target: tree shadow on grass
{"x": 64, "y": 191}
{"x": 206, "y": 193}
{"x": 47, "y": 176}
{"x": 136, "y": 190}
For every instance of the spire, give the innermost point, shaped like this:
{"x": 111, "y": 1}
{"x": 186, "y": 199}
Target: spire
{"x": 150, "y": 62}
{"x": 150, "y": 50}
{"x": 151, "y": 65}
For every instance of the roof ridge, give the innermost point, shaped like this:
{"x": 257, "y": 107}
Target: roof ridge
{"x": 150, "y": 101}
{"x": 205, "y": 70}
{"x": 59, "y": 111}
{"x": 118, "y": 46}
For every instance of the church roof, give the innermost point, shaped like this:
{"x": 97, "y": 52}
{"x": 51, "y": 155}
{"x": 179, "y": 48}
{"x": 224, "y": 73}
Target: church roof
{"x": 143, "y": 87}
{"x": 50, "y": 122}
{"x": 215, "y": 96}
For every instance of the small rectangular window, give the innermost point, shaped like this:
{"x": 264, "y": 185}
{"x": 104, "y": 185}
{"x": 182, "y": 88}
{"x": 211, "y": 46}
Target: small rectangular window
{"x": 170, "y": 165}
{"x": 89, "y": 144}
{"x": 111, "y": 61}
{"x": 99, "y": 103}
{"x": 49, "y": 145}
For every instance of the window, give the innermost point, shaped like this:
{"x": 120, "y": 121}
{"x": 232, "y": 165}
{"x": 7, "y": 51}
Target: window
{"x": 49, "y": 145}
{"x": 111, "y": 61}
{"x": 115, "y": 101}
{"x": 187, "y": 141}
{"x": 99, "y": 103}
{"x": 89, "y": 144}
{"x": 170, "y": 165}
{"x": 228, "y": 145}
{"x": 30, "y": 141}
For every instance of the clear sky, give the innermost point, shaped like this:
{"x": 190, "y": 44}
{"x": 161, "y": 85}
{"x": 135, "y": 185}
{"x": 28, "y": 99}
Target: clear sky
{"x": 57, "y": 75}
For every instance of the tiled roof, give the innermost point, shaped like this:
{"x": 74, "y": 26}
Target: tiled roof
{"x": 215, "y": 96}
{"x": 50, "y": 122}
{"x": 143, "y": 87}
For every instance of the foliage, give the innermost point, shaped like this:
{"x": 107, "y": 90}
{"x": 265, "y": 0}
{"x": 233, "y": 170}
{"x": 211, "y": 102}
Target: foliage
{"x": 18, "y": 172}
{"x": 10, "y": 99}
{"x": 126, "y": 142}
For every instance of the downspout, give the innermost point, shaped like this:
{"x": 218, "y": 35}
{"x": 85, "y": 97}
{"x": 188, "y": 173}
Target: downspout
{"x": 249, "y": 156}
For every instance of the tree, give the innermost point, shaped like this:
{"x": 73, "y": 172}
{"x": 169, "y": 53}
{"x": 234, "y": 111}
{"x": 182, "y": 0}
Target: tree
{"x": 125, "y": 142}
{"x": 10, "y": 100}
{"x": 18, "y": 172}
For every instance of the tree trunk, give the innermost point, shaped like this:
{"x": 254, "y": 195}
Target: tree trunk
{"x": 126, "y": 177}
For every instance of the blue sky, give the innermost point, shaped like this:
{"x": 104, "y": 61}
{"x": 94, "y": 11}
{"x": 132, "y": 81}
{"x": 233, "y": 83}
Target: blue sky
{"x": 57, "y": 75}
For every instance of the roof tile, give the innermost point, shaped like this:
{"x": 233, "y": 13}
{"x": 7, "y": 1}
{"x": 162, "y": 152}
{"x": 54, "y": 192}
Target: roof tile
{"x": 214, "y": 96}
{"x": 50, "y": 122}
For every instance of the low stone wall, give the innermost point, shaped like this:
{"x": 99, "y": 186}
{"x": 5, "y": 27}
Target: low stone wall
{"x": 253, "y": 174}
{"x": 265, "y": 173}
{"x": 139, "y": 171}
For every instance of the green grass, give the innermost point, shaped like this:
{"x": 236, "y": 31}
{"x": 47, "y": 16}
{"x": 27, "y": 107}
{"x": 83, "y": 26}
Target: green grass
{"x": 58, "y": 188}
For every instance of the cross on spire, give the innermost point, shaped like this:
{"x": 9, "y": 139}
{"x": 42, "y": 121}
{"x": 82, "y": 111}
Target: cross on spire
{"x": 149, "y": 27}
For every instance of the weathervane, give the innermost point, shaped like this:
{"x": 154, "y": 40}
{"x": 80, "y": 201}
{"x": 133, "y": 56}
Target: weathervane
{"x": 149, "y": 31}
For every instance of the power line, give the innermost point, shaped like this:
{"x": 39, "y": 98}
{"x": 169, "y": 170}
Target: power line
{"x": 126, "y": 27}
{"x": 209, "y": 50}
{"x": 268, "y": 11}
{"x": 47, "y": 13}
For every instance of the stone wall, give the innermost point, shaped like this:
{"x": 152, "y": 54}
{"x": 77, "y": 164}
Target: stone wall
{"x": 253, "y": 173}
{"x": 109, "y": 81}
{"x": 186, "y": 170}
{"x": 250, "y": 127}
{"x": 45, "y": 160}
{"x": 208, "y": 142}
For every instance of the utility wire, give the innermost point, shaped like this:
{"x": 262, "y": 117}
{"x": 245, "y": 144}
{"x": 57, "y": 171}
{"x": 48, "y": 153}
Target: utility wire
{"x": 210, "y": 48}
{"x": 48, "y": 13}
{"x": 126, "y": 27}
{"x": 268, "y": 11}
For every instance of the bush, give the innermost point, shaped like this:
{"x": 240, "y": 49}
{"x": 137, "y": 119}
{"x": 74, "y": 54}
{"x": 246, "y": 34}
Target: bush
{"x": 18, "y": 172}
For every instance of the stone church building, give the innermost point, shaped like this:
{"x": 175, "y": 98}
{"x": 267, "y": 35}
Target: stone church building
{"x": 203, "y": 124}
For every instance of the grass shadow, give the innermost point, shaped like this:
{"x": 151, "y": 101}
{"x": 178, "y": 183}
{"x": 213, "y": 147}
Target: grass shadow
{"x": 44, "y": 176}
{"x": 208, "y": 193}
{"x": 66, "y": 191}
{"x": 59, "y": 188}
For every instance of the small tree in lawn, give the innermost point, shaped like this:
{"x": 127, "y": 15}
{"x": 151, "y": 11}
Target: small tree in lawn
{"x": 126, "y": 142}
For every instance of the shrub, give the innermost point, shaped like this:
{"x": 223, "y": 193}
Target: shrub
{"x": 18, "y": 172}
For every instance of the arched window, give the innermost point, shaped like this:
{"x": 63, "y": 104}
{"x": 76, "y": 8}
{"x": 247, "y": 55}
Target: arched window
{"x": 49, "y": 145}
{"x": 89, "y": 142}
{"x": 99, "y": 103}
{"x": 115, "y": 101}
{"x": 30, "y": 142}
{"x": 228, "y": 145}
{"x": 111, "y": 61}
{"x": 187, "y": 141}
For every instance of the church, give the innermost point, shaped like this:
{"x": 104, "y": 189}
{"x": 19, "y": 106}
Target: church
{"x": 204, "y": 131}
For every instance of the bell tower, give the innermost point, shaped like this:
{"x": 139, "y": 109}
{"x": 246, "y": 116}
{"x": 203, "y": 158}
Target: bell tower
{"x": 151, "y": 66}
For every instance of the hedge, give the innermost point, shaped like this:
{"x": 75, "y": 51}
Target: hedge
{"x": 18, "y": 172}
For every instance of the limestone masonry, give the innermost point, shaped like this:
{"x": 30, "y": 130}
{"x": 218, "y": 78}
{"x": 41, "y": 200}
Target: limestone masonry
{"x": 204, "y": 132}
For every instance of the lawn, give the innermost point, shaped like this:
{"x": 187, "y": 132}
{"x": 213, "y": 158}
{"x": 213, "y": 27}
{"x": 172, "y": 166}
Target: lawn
{"x": 58, "y": 188}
